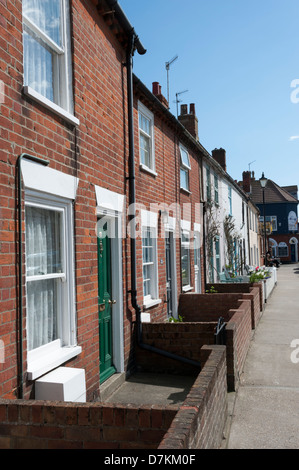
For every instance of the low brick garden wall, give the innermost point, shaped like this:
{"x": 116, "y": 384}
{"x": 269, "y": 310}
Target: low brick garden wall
{"x": 57, "y": 425}
{"x": 184, "y": 339}
{"x": 254, "y": 292}
{"x": 200, "y": 422}
{"x": 31, "y": 424}
{"x": 237, "y": 313}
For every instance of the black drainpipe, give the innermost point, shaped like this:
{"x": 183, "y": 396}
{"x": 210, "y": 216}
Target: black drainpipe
{"x": 19, "y": 164}
{"x": 132, "y": 201}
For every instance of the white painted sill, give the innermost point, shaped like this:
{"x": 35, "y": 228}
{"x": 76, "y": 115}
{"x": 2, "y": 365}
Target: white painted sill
{"x": 148, "y": 170}
{"x": 151, "y": 303}
{"x": 48, "y": 357}
{"x": 187, "y": 288}
{"x": 28, "y": 91}
{"x": 184, "y": 190}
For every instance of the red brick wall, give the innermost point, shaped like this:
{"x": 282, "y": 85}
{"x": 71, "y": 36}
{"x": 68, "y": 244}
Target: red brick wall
{"x": 94, "y": 152}
{"x": 238, "y": 337}
{"x": 182, "y": 339}
{"x": 200, "y": 422}
{"x": 237, "y": 313}
{"x": 249, "y": 291}
{"x": 207, "y": 307}
{"x": 164, "y": 188}
{"x": 54, "y": 425}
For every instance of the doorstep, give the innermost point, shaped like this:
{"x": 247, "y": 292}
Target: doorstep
{"x": 111, "y": 385}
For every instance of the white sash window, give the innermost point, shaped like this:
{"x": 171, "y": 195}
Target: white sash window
{"x": 47, "y": 55}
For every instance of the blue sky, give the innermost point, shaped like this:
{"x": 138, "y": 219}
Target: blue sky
{"x": 237, "y": 59}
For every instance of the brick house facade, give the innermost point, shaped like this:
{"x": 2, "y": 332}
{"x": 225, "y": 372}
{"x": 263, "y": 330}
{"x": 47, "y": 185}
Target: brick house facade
{"x": 85, "y": 143}
{"x": 66, "y": 187}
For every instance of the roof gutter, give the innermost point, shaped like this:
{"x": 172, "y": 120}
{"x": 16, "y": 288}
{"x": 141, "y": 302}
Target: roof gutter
{"x": 125, "y": 23}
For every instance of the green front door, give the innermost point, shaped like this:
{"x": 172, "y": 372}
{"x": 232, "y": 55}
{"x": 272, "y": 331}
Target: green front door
{"x": 105, "y": 305}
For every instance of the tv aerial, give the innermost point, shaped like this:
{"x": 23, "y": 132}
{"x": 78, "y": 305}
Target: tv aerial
{"x": 177, "y": 101}
{"x": 167, "y": 65}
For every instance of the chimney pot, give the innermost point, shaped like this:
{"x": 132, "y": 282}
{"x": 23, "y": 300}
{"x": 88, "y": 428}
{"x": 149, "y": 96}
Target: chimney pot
{"x": 184, "y": 109}
{"x": 156, "y": 88}
{"x": 192, "y": 108}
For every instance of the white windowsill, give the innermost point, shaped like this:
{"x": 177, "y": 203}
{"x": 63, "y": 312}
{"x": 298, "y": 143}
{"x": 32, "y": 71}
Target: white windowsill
{"x": 48, "y": 357}
{"x": 185, "y": 190}
{"x": 151, "y": 303}
{"x": 148, "y": 170}
{"x": 28, "y": 91}
{"x": 187, "y": 288}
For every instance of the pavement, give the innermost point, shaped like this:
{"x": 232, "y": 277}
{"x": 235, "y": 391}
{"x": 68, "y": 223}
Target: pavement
{"x": 264, "y": 411}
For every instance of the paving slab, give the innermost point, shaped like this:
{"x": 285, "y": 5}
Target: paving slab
{"x": 152, "y": 389}
{"x": 265, "y": 418}
{"x": 265, "y": 412}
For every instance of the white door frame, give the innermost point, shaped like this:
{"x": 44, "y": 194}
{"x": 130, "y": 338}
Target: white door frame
{"x": 110, "y": 208}
{"x": 197, "y": 285}
{"x": 170, "y": 227}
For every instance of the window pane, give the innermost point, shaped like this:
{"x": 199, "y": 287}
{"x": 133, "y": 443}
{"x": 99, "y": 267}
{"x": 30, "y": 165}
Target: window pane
{"x": 185, "y": 158}
{"x": 38, "y": 67}
{"x": 145, "y": 150}
{"x": 148, "y": 262}
{"x": 144, "y": 123}
{"x": 42, "y": 312}
{"x": 43, "y": 241}
{"x": 184, "y": 179}
{"x": 185, "y": 258}
{"x": 46, "y": 14}
{"x": 147, "y": 275}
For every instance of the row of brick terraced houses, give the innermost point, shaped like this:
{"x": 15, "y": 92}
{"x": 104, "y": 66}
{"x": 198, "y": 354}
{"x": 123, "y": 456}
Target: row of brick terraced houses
{"x": 110, "y": 206}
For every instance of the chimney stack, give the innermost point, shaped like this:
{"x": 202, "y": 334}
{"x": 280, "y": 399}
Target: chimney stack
{"x": 158, "y": 93}
{"x": 189, "y": 121}
{"x": 248, "y": 176}
{"x": 220, "y": 156}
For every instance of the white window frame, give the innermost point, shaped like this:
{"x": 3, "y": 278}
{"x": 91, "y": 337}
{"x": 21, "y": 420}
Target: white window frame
{"x": 62, "y": 70}
{"x": 186, "y": 231}
{"x": 216, "y": 188}
{"x": 185, "y": 167}
{"x": 48, "y": 356}
{"x": 145, "y": 112}
{"x": 44, "y": 185}
{"x": 197, "y": 259}
{"x": 149, "y": 222}
{"x": 208, "y": 184}
{"x": 230, "y": 200}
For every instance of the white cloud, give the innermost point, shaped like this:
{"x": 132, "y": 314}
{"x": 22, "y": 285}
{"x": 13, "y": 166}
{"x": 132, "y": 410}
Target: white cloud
{"x": 294, "y": 137}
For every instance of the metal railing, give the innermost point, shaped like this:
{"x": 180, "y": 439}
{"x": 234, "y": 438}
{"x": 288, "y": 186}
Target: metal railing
{"x": 220, "y": 332}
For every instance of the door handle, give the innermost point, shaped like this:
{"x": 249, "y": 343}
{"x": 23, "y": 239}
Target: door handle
{"x": 102, "y": 307}
{"x": 112, "y": 302}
